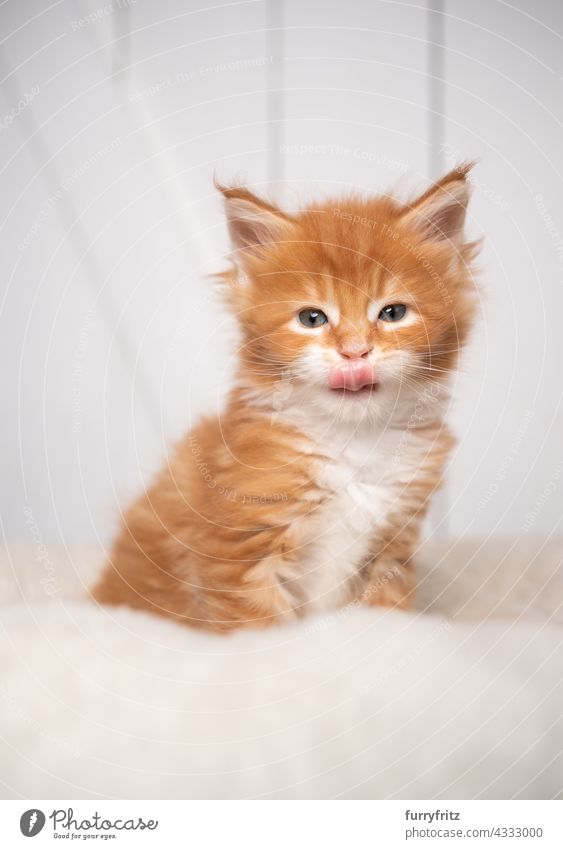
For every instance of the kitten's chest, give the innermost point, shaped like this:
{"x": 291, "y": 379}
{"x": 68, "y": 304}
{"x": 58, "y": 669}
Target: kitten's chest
{"x": 363, "y": 480}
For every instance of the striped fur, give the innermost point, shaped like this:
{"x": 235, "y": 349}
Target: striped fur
{"x": 299, "y": 498}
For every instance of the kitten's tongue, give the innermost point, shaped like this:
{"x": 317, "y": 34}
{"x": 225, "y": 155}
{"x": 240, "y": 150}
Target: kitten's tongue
{"x": 352, "y": 375}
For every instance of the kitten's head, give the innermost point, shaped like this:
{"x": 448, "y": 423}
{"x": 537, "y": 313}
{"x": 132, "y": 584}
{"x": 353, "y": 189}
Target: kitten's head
{"x": 356, "y": 304}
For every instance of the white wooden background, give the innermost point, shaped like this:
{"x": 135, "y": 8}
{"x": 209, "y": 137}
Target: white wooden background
{"x": 114, "y": 116}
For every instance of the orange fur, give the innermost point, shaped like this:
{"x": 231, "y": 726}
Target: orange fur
{"x": 301, "y": 498}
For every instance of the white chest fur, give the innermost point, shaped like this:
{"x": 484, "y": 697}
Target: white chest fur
{"x": 364, "y": 474}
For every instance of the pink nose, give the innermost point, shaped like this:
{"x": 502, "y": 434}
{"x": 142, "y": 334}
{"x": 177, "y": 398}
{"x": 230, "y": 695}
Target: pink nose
{"x": 352, "y": 374}
{"x": 355, "y": 353}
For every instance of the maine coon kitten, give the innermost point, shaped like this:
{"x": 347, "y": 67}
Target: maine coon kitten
{"x": 307, "y": 492}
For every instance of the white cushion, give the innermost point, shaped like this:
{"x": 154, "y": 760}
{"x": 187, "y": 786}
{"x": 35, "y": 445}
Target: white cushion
{"x": 459, "y": 700}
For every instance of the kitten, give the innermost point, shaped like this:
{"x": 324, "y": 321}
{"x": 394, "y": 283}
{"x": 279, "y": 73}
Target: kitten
{"x": 307, "y": 492}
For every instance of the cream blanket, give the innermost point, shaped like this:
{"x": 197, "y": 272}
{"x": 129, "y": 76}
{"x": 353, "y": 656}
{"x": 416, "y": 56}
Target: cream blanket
{"x": 462, "y": 699}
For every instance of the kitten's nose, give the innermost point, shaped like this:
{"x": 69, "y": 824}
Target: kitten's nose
{"x": 353, "y": 353}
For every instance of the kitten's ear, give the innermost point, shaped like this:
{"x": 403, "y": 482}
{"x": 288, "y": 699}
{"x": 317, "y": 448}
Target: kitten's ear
{"x": 439, "y": 214}
{"x": 253, "y": 223}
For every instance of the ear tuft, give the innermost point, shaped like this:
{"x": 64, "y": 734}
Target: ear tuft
{"x": 439, "y": 213}
{"x": 253, "y": 223}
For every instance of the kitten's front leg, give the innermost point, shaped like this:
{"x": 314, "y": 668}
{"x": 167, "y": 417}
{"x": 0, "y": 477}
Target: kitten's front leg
{"x": 390, "y": 583}
{"x": 390, "y": 575}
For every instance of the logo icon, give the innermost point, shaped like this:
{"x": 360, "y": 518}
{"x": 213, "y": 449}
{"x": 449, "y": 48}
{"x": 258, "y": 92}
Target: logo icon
{"x": 32, "y": 822}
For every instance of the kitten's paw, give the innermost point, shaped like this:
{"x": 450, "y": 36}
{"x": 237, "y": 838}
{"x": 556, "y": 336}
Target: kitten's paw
{"x": 391, "y": 584}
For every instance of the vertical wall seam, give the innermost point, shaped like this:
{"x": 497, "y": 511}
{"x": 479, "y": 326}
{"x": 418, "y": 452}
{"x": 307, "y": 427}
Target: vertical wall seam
{"x": 435, "y": 76}
{"x": 275, "y": 105}
{"x": 436, "y": 130}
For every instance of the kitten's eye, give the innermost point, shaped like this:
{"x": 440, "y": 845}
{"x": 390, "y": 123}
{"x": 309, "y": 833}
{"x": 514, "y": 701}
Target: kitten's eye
{"x": 393, "y": 312}
{"x": 312, "y": 318}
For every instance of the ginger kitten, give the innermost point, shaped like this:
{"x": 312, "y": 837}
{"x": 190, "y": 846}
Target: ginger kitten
{"x": 308, "y": 491}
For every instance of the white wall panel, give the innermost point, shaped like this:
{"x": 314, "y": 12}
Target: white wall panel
{"x": 110, "y": 338}
{"x": 504, "y": 74}
{"x": 355, "y": 109}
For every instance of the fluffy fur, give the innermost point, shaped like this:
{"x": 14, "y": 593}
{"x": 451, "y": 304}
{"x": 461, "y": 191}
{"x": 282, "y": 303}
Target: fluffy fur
{"x": 298, "y": 497}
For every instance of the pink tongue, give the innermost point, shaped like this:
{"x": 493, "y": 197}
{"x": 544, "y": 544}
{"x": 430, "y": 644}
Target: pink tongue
{"x": 353, "y": 375}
